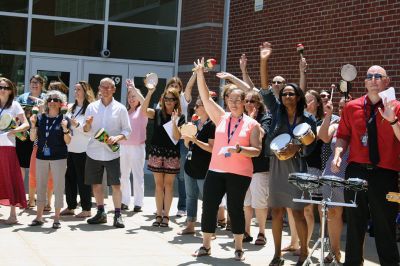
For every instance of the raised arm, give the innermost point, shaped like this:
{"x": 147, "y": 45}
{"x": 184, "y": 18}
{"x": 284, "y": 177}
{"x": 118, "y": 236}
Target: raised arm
{"x": 265, "y": 53}
{"x": 245, "y": 75}
{"x": 189, "y": 88}
{"x": 326, "y": 130}
{"x": 238, "y": 82}
{"x": 214, "y": 111}
{"x": 146, "y": 111}
{"x": 130, "y": 84}
{"x": 303, "y": 70}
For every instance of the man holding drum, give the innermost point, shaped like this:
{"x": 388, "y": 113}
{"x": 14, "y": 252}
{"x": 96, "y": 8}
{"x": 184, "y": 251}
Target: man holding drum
{"x": 112, "y": 117}
{"x": 369, "y": 127}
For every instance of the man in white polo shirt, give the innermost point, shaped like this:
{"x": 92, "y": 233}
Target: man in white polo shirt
{"x": 112, "y": 116}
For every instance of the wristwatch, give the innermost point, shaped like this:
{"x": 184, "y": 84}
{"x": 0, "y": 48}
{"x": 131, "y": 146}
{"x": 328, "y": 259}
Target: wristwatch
{"x": 239, "y": 149}
{"x": 66, "y": 132}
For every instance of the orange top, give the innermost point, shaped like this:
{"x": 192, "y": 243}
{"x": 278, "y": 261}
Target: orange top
{"x": 236, "y": 163}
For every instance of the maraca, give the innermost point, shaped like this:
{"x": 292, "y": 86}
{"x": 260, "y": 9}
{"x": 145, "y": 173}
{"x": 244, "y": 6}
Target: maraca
{"x": 300, "y": 49}
{"x": 209, "y": 64}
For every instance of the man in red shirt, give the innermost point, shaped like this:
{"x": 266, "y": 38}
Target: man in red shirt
{"x": 370, "y": 129}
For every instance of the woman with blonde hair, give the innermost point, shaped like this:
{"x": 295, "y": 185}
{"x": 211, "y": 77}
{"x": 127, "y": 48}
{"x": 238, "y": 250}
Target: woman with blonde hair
{"x": 75, "y": 175}
{"x": 164, "y": 153}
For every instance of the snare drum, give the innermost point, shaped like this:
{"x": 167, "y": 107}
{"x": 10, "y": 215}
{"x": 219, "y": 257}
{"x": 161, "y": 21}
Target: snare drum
{"x": 279, "y": 144}
{"x": 332, "y": 181}
{"x": 304, "y": 181}
{"x": 356, "y": 184}
{"x": 102, "y": 136}
{"x": 7, "y": 122}
{"x": 304, "y": 134}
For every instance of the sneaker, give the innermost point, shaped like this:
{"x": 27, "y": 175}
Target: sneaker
{"x": 181, "y": 213}
{"x": 118, "y": 222}
{"x": 137, "y": 209}
{"x": 99, "y": 218}
{"x": 124, "y": 207}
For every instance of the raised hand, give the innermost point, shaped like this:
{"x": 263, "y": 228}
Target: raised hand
{"x": 33, "y": 119}
{"x": 174, "y": 116}
{"x": 328, "y": 108}
{"x": 265, "y": 50}
{"x": 388, "y": 113}
{"x": 130, "y": 84}
{"x": 243, "y": 63}
{"x": 199, "y": 65}
{"x": 303, "y": 65}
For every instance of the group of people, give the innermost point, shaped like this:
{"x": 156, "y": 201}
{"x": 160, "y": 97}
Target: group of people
{"x": 227, "y": 160}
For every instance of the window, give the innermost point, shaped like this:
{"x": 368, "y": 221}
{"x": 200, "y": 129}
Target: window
{"x": 86, "y": 9}
{"x": 13, "y": 68}
{"x": 13, "y": 33}
{"x": 18, "y": 6}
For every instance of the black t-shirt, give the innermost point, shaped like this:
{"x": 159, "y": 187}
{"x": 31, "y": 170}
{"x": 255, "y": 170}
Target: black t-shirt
{"x": 55, "y": 140}
{"x": 198, "y": 166}
{"x": 261, "y": 163}
{"x": 314, "y": 158}
{"x": 160, "y": 136}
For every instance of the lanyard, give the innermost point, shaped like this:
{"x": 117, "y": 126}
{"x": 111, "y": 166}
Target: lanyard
{"x": 2, "y": 109}
{"x": 80, "y": 111}
{"x": 198, "y": 131}
{"x": 48, "y": 129}
{"x": 230, "y": 134}
{"x": 291, "y": 126}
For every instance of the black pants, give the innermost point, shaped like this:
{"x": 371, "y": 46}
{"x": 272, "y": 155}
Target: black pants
{"x": 75, "y": 180}
{"x": 215, "y": 187}
{"x": 383, "y": 214}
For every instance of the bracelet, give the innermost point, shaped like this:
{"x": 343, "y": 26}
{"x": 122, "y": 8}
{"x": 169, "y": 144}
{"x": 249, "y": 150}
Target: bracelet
{"x": 239, "y": 150}
{"x": 66, "y": 132}
{"x": 394, "y": 122}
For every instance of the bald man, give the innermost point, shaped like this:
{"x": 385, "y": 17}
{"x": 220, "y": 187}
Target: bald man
{"x": 370, "y": 128}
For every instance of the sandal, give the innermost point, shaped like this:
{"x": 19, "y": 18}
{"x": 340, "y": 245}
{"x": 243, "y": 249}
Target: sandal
{"x": 157, "y": 222}
{"x": 36, "y": 223}
{"x": 329, "y": 258}
{"x": 11, "y": 220}
{"x": 56, "y": 225}
{"x": 186, "y": 232}
{"x": 67, "y": 212}
{"x": 247, "y": 237}
{"x": 31, "y": 204}
{"x": 289, "y": 248}
{"x": 47, "y": 208}
{"x": 239, "y": 255}
{"x": 84, "y": 214}
{"x": 201, "y": 252}
{"x": 277, "y": 261}
{"x": 221, "y": 223}
{"x": 261, "y": 240}
{"x": 164, "y": 224}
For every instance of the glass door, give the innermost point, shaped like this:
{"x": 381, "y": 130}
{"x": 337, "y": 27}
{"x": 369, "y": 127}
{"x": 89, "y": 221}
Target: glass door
{"x": 56, "y": 69}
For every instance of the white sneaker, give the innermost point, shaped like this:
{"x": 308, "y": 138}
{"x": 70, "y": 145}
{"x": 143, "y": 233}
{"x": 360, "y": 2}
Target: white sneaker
{"x": 181, "y": 213}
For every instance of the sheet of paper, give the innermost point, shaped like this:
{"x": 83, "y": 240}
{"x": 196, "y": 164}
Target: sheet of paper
{"x": 389, "y": 94}
{"x": 224, "y": 149}
{"x": 168, "y": 128}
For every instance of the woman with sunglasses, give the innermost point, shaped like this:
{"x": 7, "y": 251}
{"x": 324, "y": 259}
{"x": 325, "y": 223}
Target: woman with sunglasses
{"x": 133, "y": 150}
{"x": 75, "y": 175}
{"x": 26, "y": 150}
{"x": 289, "y": 110}
{"x": 257, "y": 194}
{"x": 164, "y": 154}
{"x": 52, "y": 131}
{"x": 196, "y": 163}
{"x": 12, "y": 192}
{"x": 237, "y": 140}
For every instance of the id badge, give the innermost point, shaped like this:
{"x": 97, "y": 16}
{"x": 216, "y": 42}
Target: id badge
{"x": 364, "y": 139}
{"x": 189, "y": 155}
{"x": 228, "y": 154}
{"x": 46, "y": 151}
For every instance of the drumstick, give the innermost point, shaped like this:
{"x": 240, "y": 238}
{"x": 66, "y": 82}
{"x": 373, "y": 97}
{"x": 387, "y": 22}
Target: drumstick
{"x": 331, "y": 93}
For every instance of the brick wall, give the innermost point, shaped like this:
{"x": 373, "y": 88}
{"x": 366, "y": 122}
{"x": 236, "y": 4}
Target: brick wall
{"x": 334, "y": 33}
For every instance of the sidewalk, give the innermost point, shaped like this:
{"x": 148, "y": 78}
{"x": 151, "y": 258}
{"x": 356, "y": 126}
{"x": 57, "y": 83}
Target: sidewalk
{"x": 78, "y": 243}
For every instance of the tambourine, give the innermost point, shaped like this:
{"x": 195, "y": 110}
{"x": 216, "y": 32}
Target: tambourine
{"x": 188, "y": 129}
{"x": 348, "y": 72}
{"x": 151, "y": 81}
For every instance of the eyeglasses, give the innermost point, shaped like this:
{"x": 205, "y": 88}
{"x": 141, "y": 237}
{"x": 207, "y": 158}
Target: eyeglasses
{"x": 277, "y": 82}
{"x": 54, "y": 100}
{"x": 324, "y": 96}
{"x": 290, "y": 94}
{"x": 249, "y": 101}
{"x": 6, "y": 88}
{"x": 168, "y": 99}
{"x": 376, "y": 76}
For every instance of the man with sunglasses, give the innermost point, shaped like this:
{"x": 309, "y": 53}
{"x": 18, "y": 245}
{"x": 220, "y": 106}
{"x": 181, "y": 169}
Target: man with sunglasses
{"x": 110, "y": 115}
{"x": 369, "y": 128}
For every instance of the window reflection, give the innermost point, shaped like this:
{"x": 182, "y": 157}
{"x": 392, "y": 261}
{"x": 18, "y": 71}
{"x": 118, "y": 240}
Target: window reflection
{"x": 13, "y": 33}
{"x": 66, "y": 37}
{"x": 13, "y": 68}
{"x": 154, "y": 12}
{"x": 19, "y": 6}
{"x": 87, "y": 9}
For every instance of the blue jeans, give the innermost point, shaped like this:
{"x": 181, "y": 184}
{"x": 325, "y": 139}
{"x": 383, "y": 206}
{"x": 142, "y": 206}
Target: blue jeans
{"x": 181, "y": 178}
{"x": 194, "y": 187}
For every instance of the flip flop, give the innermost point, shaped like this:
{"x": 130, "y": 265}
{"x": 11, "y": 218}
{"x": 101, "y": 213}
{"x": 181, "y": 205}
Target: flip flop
{"x": 36, "y": 223}
{"x": 289, "y": 249}
{"x": 56, "y": 225}
{"x": 201, "y": 252}
{"x": 261, "y": 240}
{"x": 183, "y": 232}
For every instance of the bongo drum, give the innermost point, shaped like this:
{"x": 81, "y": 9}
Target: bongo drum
{"x": 304, "y": 181}
{"x": 188, "y": 129}
{"x": 102, "y": 136}
{"x": 151, "y": 80}
{"x": 356, "y": 184}
{"x": 332, "y": 181}
{"x": 304, "y": 134}
{"x": 7, "y": 122}
{"x": 279, "y": 144}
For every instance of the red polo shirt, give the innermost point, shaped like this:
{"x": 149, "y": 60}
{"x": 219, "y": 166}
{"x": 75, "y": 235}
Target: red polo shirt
{"x": 353, "y": 126}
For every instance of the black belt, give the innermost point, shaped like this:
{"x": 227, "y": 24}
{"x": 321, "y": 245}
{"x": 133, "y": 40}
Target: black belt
{"x": 367, "y": 166}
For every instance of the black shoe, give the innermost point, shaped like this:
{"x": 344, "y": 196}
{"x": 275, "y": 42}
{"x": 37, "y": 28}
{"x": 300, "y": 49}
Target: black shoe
{"x": 99, "y": 218}
{"x": 124, "y": 207}
{"x": 247, "y": 238}
{"x": 118, "y": 222}
{"x": 137, "y": 209}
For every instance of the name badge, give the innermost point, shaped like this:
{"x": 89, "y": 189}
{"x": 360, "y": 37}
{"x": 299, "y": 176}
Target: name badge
{"x": 189, "y": 156}
{"x": 228, "y": 154}
{"x": 364, "y": 139}
{"x": 46, "y": 151}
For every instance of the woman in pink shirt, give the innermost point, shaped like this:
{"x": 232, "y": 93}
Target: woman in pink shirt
{"x": 237, "y": 139}
{"x": 133, "y": 151}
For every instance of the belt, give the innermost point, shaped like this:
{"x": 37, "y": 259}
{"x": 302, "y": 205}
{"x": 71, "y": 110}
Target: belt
{"x": 367, "y": 166}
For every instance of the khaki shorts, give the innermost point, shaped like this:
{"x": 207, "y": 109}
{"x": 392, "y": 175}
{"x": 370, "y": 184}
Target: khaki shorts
{"x": 258, "y": 192}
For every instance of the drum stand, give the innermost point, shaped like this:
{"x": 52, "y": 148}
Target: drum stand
{"x": 324, "y": 241}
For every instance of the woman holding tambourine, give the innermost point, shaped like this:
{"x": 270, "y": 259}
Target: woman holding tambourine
{"x": 12, "y": 192}
{"x": 289, "y": 110}
{"x": 53, "y": 134}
